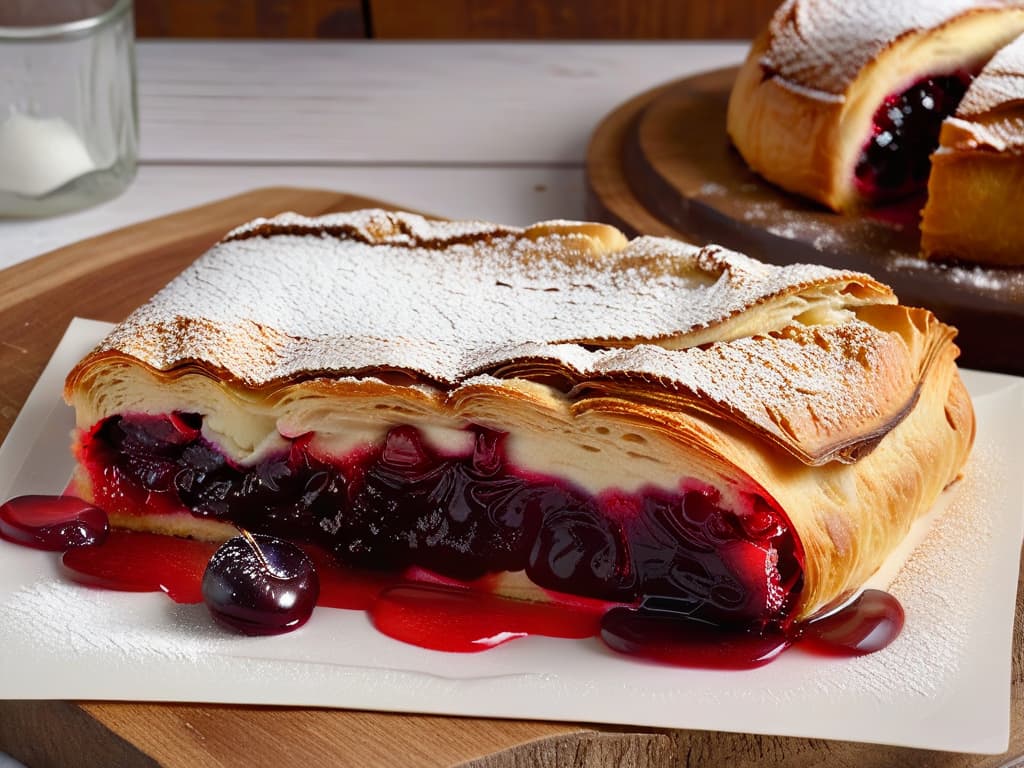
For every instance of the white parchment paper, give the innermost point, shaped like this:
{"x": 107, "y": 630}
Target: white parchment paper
{"x": 944, "y": 684}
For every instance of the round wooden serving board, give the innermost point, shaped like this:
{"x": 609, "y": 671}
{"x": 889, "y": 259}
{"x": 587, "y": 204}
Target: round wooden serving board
{"x": 662, "y": 164}
{"x": 108, "y": 276}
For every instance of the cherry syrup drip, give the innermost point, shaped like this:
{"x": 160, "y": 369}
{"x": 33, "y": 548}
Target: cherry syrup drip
{"x": 52, "y": 523}
{"x": 432, "y": 613}
{"x": 896, "y": 160}
{"x": 142, "y": 562}
{"x": 439, "y": 613}
{"x": 462, "y": 620}
{"x": 658, "y": 631}
{"x": 670, "y": 639}
{"x": 868, "y": 624}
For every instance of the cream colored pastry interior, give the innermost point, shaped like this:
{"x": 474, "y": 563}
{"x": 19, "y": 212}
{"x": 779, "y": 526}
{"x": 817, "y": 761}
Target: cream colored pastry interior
{"x": 593, "y": 452}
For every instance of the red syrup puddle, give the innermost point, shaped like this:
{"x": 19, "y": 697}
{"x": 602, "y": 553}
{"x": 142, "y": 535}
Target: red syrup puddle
{"x": 53, "y": 523}
{"x": 346, "y": 588}
{"x": 903, "y": 215}
{"x": 142, "y": 562}
{"x": 465, "y": 621}
{"x": 420, "y": 608}
{"x": 866, "y": 625}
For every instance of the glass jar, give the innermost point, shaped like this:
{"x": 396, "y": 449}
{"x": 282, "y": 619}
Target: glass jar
{"x": 68, "y": 108}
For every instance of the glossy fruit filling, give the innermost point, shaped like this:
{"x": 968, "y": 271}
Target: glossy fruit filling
{"x": 403, "y": 504}
{"x": 896, "y": 160}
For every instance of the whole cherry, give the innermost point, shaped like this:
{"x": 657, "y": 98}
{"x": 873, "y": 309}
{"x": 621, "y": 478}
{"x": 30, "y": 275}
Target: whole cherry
{"x": 260, "y": 585}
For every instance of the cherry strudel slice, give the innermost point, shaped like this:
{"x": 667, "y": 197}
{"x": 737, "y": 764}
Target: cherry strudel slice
{"x": 842, "y": 102}
{"x": 555, "y": 408}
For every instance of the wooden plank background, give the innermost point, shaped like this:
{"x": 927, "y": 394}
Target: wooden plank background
{"x": 454, "y": 19}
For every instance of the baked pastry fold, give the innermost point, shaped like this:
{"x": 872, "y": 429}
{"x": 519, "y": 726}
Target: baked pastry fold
{"x": 607, "y": 418}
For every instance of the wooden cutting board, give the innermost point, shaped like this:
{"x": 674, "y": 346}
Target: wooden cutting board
{"x": 661, "y": 163}
{"x": 105, "y": 278}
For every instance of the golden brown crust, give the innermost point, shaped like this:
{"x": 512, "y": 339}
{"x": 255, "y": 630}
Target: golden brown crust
{"x": 786, "y": 136}
{"x": 818, "y": 394}
{"x": 804, "y": 130}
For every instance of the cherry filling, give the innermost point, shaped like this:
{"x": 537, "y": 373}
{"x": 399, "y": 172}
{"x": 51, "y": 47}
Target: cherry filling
{"x": 895, "y": 162}
{"x": 403, "y": 504}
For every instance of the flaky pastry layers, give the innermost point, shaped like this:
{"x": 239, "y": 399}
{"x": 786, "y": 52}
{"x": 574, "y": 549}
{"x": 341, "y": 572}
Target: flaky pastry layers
{"x": 978, "y": 172}
{"x": 605, "y": 417}
{"x": 805, "y": 103}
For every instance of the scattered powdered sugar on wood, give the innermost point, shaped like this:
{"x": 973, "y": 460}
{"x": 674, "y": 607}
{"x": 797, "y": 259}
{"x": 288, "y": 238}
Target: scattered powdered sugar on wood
{"x": 712, "y": 189}
{"x": 979, "y": 278}
{"x": 757, "y": 212}
{"x": 819, "y": 46}
{"x": 799, "y": 225}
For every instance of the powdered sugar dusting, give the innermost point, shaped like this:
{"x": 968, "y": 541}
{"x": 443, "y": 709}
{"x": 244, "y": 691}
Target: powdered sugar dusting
{"x": 785, "y": 374}
{"x": 992, "y": 110}
{"x": 821, "y": 45}
{"x": 80, "y": 621}
{"x": 979, "y": 278}
{"x": 934, "y": 581}
{"x": 267, "y": 307}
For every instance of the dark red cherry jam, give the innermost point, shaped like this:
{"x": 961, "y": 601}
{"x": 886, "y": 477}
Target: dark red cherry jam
{"x": 674, "y": 638}
{"x": 896, "y": 160}
{"x": 53, "y": 523}
{"x": 403, "y": 504}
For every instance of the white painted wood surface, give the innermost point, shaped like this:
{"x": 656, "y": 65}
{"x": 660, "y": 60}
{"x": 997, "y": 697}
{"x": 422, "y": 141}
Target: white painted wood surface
{"x": 495, "y": 131}
{"x": 409, "y": 103}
